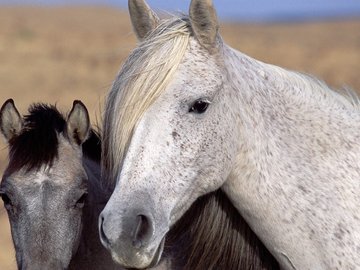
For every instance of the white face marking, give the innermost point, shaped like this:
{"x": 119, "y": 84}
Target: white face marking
{"x": 42, "y": 175}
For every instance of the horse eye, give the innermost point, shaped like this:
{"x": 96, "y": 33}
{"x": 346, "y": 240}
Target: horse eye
{"x": 199, "y": 106}
{"x": 81, "y": 201}
{"x": 6, "y": 199}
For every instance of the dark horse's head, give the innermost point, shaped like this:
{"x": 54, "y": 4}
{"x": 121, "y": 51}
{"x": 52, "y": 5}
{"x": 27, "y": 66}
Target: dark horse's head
{"x": 44, "y": 186}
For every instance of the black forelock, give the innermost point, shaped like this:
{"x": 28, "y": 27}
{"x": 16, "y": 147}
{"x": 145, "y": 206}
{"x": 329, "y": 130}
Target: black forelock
{"x": 37, "y": 144}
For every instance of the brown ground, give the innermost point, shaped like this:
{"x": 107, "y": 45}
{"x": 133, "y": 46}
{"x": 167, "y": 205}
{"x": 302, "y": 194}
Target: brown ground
{"x": 62, "y": 54}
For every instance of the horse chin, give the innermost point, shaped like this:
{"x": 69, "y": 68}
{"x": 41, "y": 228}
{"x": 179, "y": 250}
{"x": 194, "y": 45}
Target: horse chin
{"x": 142, "y": 261}
{"x": 157, "y": 256}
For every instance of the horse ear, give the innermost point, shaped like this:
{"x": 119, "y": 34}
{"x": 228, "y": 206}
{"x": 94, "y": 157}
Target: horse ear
{"x": 10, "y": 120}
{"x": 143, "y": 19}
{"x": 78, "y": 123}
{"x": 204, "y": 23}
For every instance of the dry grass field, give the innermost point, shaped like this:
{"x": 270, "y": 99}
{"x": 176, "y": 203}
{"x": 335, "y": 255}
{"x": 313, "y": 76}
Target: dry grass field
{"x": 56, "y": 55}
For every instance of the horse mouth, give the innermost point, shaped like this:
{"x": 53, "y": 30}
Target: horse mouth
{"x": 157, "y": 256}
{"x": 139, "y": 263}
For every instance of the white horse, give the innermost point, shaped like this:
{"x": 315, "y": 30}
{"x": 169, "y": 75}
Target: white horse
{"x": 188, "y": 115}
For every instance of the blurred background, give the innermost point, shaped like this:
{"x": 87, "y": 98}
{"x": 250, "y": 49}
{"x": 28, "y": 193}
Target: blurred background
{"x": 57, "y": 51}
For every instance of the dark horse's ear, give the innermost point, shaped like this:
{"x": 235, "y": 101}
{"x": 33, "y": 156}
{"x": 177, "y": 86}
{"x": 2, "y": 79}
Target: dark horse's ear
{"x": 78, "y": 123}
{"x": 10, "y": 120}
{"x": 204, "y": 23}
{"x": 143, "y": 19}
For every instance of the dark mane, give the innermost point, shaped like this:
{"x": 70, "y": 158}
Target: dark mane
{"x": 37, "y": 144}
{"x": 92, "y": 146}
{"x": 213, "y": 235}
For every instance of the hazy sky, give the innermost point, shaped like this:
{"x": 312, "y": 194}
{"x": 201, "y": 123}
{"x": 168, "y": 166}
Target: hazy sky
{"x": 243, "y": 10}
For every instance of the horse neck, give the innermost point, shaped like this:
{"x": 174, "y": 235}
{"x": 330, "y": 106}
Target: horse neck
{"x": 289, "y": 126}
{"x": 283, "y": 112}
{"x": 91, "y": 254}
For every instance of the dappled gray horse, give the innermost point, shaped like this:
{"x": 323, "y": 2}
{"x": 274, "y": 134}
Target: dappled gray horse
{"x": 188, "y": 115}
{"x": 51, "y": 188}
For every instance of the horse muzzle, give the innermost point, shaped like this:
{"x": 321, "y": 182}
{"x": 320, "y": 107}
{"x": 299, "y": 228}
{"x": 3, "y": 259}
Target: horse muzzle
{"x": 131, "y": 238}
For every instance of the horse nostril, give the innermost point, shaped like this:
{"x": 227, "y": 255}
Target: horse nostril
{"x": 143, "y": 231}
{"x": 102, "y": 233}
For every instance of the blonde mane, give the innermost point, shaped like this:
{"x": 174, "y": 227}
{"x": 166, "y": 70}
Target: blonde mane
{"x": 141, "y": 80}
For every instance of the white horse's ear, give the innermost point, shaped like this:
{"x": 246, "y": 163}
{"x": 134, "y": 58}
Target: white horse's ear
{"x": 143, "y": 19}
{"x": 204, "y": 23}
{"x": 10, "y": 120}
{"x": 78, "y": 123}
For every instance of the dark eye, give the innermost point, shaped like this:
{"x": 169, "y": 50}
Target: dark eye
{"x": 6, "y": 200}
{"x": 81, "y": 201}
{"x": 199, "y": 106}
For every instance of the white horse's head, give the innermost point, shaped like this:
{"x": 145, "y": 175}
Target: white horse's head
{"x": 169, "y": 134}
